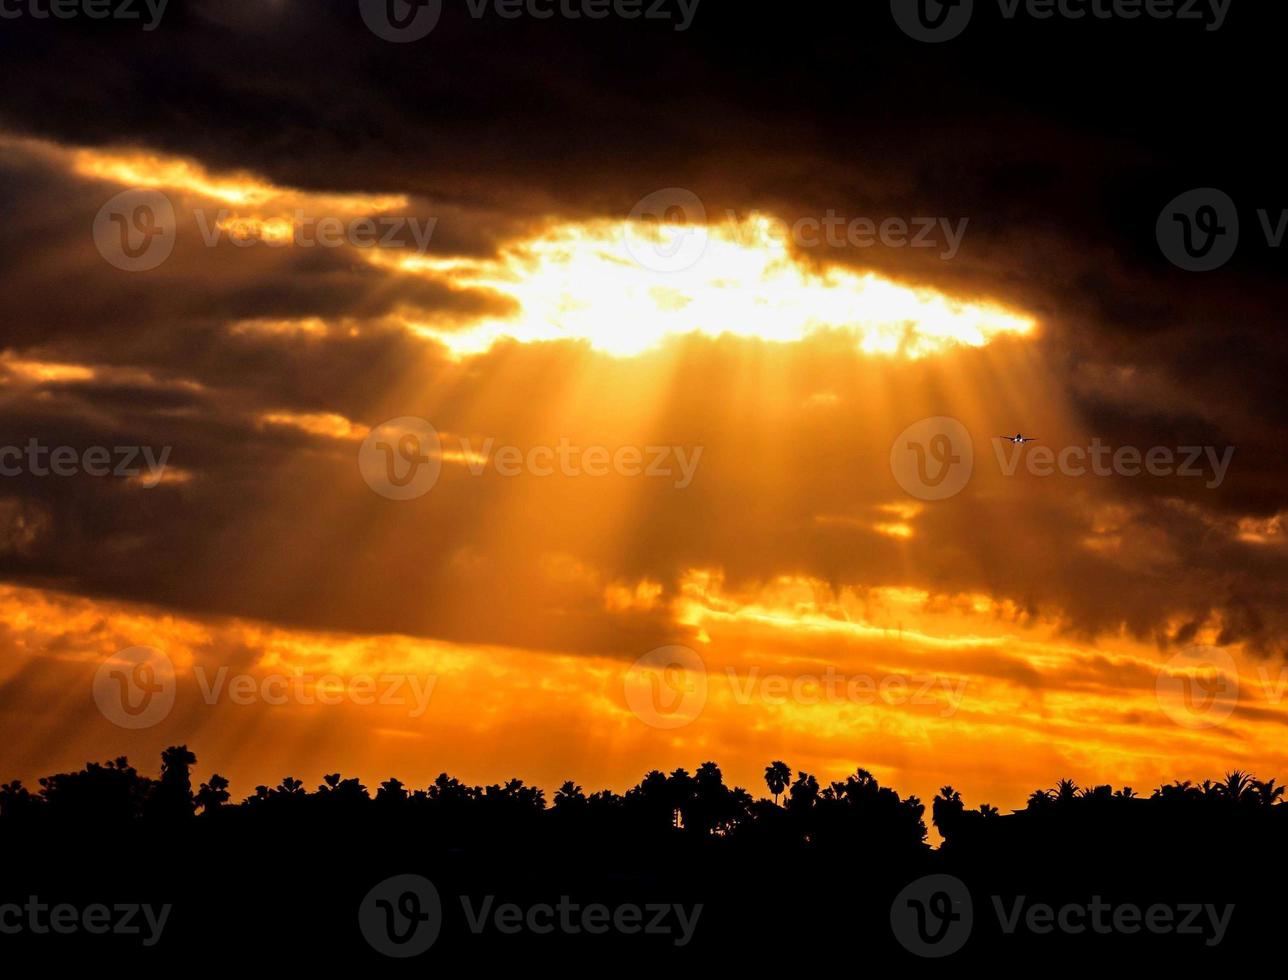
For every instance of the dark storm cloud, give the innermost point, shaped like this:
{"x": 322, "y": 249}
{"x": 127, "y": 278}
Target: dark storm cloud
{"x": 1056, "y": 141}
{"x": 1061, "y": 170}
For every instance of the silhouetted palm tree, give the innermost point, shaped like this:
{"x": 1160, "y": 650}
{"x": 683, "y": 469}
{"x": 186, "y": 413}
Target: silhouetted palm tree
{"x": 1238, "y": 786}
{"x": 213, "y": 794}
{"x": 391, "y": 791}
{"x": 171, "y": 798}
{"x": 1039, "y": 799}
{"x": 946, "y": 811}
{"x": 1267, "y": 793}
{"x": 777, "y": 776}
{"x": 569, "y": 797}
{"x": 1178, "y": 792}
{"x": 804, "y": 792}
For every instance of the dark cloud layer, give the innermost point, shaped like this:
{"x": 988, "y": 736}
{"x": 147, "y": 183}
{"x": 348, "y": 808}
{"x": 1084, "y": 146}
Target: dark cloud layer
{"x": 1061, "y": 142}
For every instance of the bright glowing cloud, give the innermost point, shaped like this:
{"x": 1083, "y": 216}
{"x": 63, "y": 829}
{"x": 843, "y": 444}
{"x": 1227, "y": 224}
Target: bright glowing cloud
{"x": 138, "y": 168}
{"x": 593, "y": 282}
{"x": 622, "y": 286}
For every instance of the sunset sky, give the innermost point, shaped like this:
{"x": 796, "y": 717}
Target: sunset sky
{"x": 620, "y": 265}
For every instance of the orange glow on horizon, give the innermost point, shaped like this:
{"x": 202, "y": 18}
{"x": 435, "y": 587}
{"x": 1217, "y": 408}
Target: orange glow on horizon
{"x": 936, "y": 700}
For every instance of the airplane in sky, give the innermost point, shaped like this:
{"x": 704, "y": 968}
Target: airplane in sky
{"x": 1019, "y": 439}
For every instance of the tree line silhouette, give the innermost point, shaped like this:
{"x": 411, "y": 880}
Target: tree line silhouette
{"x": 691, "y": 804}
{"x": 694, "y": 804}
{"x": 801, "y": 860}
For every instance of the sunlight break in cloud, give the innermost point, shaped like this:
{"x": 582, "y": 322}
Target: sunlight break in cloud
{"x": 587, "y": 281}
{"x": 615, "y": 284}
